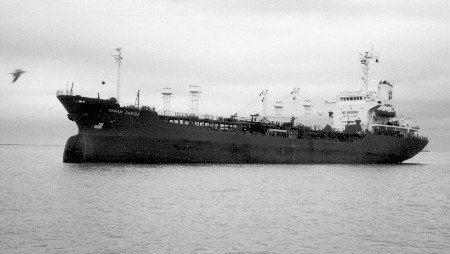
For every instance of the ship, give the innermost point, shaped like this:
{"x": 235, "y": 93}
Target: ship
{"x": 365, "y": 129}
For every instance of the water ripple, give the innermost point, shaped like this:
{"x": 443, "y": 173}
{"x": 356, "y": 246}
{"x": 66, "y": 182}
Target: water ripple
{"x": 48, "y": 206}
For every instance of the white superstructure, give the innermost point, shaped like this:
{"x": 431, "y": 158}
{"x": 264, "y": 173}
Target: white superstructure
{"x": 367, "y": 110}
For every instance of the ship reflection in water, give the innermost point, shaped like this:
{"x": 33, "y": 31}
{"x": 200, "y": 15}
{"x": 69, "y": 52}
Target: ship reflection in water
{"x": 365, "y": 129}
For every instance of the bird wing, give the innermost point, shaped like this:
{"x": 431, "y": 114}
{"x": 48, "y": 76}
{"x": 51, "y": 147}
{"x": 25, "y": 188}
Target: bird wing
{"x": 17, "y": 74}
{"x": 15, "y": 78}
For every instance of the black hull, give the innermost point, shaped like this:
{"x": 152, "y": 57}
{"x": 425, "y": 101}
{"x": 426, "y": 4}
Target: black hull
{"x": 147, "y": 138}
{"x": 88, "y": 148}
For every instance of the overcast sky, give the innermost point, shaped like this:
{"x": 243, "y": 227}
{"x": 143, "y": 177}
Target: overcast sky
{"x": 231, "y": 49}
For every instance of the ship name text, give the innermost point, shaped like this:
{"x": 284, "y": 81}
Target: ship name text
{"x": 119, "y": 111}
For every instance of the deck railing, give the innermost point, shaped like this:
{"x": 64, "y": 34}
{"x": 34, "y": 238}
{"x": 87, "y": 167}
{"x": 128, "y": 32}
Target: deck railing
{"x": 63, "y": 92}
{"x": 393, "y": 128}
{"x": 407, "y": 131}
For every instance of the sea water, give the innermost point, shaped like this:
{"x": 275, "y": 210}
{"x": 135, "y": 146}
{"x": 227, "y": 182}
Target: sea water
{"x": 47, "y": 206}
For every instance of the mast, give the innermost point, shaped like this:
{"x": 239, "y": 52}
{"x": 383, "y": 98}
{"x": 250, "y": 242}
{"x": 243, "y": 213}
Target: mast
{"x": 118, "y": 59}
{"x": 295, "y": 99}
{"x": 193, "y": 100}
{"x": 167, "y": 93}
{"x": 278, "y": 108}
{"x": 307, "y": 107}
{"x": 365, "y": 60}
{"x": 264, "y": 101}
{"x": 136, "y": 102}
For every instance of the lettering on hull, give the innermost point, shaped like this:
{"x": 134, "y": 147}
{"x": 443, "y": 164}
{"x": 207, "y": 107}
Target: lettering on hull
{"x": 122, "y": 112}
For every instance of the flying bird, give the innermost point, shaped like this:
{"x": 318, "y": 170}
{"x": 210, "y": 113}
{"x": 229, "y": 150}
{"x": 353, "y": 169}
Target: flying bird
{"x": 319, "y": 113}
{"x": 16, "y": 74}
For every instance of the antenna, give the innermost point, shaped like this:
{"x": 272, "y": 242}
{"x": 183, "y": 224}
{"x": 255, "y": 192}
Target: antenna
{"x": 136, "y": 102}
{"x": 365, "y": 60}
{"x": 118, "y": 59}
{"x": 167, "y": 93}
{"x": 193, "y": 100}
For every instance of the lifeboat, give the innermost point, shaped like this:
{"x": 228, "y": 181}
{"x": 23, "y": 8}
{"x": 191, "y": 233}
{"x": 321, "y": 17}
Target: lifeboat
{"x": 384, "y": 111}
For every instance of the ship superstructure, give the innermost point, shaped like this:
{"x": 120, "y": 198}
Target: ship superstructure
{"x": 370, "y": 111}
